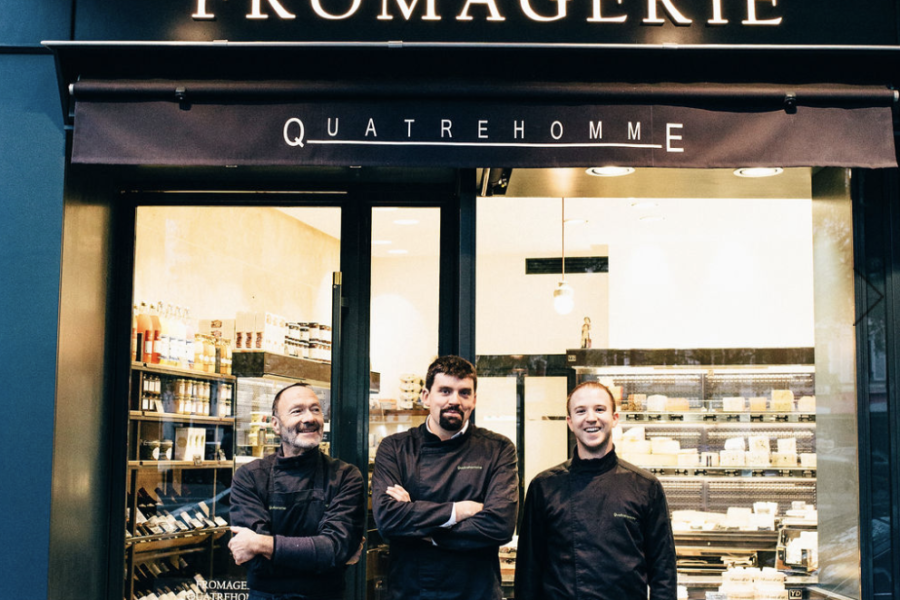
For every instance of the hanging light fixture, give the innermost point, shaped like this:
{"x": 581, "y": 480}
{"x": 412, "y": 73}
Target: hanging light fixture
{"x": 563, "y": 295}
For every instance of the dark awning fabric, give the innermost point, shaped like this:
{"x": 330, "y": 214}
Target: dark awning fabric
{"x": 464, "y": 125}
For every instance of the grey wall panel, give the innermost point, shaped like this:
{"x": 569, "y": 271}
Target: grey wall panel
{"x": 32, "y": 154}
{"x": 79, "y": 523}
{"x": 28, "y": 22}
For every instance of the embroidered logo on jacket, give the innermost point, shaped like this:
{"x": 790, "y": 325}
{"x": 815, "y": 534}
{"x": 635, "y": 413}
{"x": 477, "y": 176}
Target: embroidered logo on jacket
{"x": 468, "y": 468}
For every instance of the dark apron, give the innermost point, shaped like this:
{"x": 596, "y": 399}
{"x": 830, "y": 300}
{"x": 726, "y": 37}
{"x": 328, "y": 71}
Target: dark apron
{"x": 294, "y": 514}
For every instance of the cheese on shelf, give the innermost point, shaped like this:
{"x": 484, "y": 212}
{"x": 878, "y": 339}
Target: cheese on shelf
{"x": 735, "y": 404}
{"x": 784, "y": 459}
{"x": 759, "y": 443}
{"x": 787, "y": 445}
{"x": 677, "y": 404}
{"x": 688, "y": 457}
{"x": 664, "y": 445}
{"x": 782, "y": 400}
{"x": 731, "y": 458}
{"x": 806, "y": 404}
{"x": 736, "y": 444}
{"x": 633, "y": 447}
{"x": 756, "y": 458}
{"x": 656, "y": 403}
{"x": 637, "y": 402}
{"x": 634, "y": 434}
{"x": 759, "y": 404}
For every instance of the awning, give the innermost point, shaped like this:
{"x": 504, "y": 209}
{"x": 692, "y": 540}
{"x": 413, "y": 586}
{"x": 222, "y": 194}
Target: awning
{"x": 452, "y": 124}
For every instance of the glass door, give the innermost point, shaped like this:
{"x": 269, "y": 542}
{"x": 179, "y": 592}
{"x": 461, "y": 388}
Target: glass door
{"x": 404, "y": 319}
{"x": 231, "y": 304}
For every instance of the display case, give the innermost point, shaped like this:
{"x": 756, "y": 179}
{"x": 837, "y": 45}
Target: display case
{"x": 179, "y": 471}
{"x": 731, "y": 434}
{"x": 262, "y": 375}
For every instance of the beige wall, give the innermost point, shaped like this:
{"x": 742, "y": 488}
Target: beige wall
{"x": 222, "y": 260}
{"x": 404, "y": 323}
{"x": 514, "y": 311}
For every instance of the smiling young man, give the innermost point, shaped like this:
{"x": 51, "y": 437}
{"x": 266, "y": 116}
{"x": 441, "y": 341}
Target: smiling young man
{"x": 445, "y": 495}
{"x": 595, "y": 527}
{"x": 297, "y": 515}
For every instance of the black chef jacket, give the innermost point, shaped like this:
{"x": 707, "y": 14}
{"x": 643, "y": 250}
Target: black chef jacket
{"x": 595, "y": 530}
{"x": 312, "y": 564}
{"x": 426, "y": 560}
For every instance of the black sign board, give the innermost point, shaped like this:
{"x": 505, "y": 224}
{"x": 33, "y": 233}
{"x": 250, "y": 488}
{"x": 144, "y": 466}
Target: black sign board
{"x": 476, "y": 133}
{"x": 558, "y": 22}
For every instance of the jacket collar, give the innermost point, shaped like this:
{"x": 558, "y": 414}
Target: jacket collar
{"x": 306, "y": 459}
{"x": 457, "y": 440}
{"x": 593, "y": 465}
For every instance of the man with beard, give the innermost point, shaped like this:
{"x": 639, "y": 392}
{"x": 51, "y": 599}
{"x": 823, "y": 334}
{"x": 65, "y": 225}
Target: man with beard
{"x": 595, "y": 527}
{"x": 445, "y": 495}
{"x": 298, "y": 515}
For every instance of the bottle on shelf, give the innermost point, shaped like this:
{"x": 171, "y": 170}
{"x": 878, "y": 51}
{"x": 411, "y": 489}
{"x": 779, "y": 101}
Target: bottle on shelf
{"x": 155, "y": 337}
{"x": 223, "y": 402}
{"x": 151, "y": 392}
{"x": 180, "y": 338}
{"x": 209, "y": 352}
{"x": 190, "y": 330}
{"x": 145, "y": 334}
{"x": 134, "y": 336}
{"x": 146, "y": 503}
{"x": 164, "y": 335}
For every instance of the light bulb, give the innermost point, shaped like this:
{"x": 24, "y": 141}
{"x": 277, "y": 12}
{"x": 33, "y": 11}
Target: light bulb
{"x": 563, "y": 298}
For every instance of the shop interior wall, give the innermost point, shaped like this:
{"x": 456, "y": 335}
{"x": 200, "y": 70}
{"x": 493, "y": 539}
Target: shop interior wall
{"x": 32, "y": 156}
{"x": 738, "y": 275}
{"x": 404, "y": 334}
{"x": 220, "y": 261}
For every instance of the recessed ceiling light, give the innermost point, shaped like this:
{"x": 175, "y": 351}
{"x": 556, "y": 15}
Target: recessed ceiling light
{"x": 398, "y": 251}
{"x": 406, "y": 222}
{"x": 652, "y": 219}
{"x": 610, "y": 171}
{"x": 381, "y": 242}
{"x": 576, "y": 221}
{"x": 758, "y": 171}
{"x": 643, "y": 205}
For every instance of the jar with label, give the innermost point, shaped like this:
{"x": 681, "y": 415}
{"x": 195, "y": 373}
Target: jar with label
{"x": 149, "y": 450}
{"x": 304, "y": 332}
{"x": 314, "y": 332}
{"x": 326, "y": 333}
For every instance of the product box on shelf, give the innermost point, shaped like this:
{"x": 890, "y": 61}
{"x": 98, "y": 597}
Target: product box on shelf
{"x": 218, "y": 328}
{"x": 260, "y": 331}
{"x": 190, "y": 443}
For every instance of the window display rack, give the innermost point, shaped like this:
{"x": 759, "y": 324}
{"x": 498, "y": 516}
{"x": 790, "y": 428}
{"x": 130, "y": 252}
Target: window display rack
{"x": 180, "y": 465}
{"x": 726, "y": 433}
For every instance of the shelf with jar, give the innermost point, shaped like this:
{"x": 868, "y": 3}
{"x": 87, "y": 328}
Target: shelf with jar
{"x": 180, "y": 463}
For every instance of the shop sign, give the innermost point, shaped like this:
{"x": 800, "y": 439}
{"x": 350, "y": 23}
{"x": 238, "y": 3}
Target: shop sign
{"x": 473, "y": 134}
{"x": 592, "y": 22}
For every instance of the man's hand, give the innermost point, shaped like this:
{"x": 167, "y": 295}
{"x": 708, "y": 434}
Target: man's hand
{"x": 398, "y": 493}
{"x": 355, "y": 558}
{"x": 467, "y": 508}
{"x": 245, "y": 544}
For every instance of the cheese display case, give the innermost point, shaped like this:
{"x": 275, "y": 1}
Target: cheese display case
{"x": 731, "y": 434}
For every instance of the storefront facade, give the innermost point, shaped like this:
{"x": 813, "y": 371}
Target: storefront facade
{"x": 142, "y": 119}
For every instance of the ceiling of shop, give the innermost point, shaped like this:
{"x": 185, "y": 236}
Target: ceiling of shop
{"x": 651, "y": 202}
